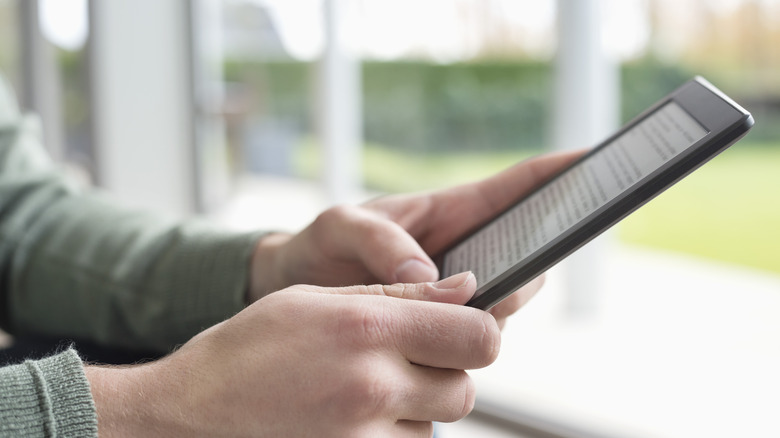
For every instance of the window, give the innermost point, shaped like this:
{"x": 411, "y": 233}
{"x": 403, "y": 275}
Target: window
{"x": 454, "y": 91}
{"x": 678, "y": 332}
{"x": 43, "y": 55}
{"x": 9, "y": 42}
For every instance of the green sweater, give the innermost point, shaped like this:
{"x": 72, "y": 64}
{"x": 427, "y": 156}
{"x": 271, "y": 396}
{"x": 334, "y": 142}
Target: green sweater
{"x": 74, "y": 265}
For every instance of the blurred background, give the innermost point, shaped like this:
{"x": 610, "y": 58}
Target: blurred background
{"x": 261, "y": 113}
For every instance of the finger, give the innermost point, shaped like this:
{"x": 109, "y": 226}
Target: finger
{"x": 457, "y": 289}
{"x": 503, "y": 189}
{"x": 430, "y": 334}
{"x": 426, "y": 333}
{"x": 383, "y": 246}
{"x": 518, "y": 299}
{"x": 461, "y": 209}
{"x": 456, "y": 337}
{"x": 435, "y": 394}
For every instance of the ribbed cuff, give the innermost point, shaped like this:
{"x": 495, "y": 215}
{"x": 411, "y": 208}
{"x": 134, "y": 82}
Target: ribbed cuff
{"x": 48, "y": 397}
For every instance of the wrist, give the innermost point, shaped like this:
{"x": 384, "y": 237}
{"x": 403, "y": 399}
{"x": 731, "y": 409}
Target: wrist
{"x": 131, "y": 401}
{"x": 265, "y": 276}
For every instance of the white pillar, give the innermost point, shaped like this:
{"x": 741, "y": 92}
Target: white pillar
{"x": 340, "y": 110}
{"x": 211, "y": 161}
{"x": 142, "y": 103}
{"x": 41, "y": 85}
{"x": 586, "y": 111}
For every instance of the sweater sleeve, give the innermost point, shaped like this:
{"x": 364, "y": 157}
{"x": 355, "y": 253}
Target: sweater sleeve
{"x": 47, "y": 398}
{"x": 74, "y": 265}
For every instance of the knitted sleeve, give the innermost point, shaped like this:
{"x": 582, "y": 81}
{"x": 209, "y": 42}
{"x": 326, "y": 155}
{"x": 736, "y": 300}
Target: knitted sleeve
{"x": 75, "y": 265}
{"x": 47, "y": 398}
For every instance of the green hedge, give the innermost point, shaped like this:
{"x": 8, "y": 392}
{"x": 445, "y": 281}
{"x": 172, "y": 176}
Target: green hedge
{"x": 425, "y": 107}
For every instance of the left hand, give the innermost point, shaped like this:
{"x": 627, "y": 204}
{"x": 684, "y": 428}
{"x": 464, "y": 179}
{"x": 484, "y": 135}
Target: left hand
{"x": 390, "y": 239}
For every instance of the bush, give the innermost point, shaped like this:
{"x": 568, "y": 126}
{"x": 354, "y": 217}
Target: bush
{"x": 419, "y": 106}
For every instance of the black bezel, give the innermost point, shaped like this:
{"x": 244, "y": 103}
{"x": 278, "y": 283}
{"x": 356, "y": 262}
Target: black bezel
{"x": 725, "y": 121}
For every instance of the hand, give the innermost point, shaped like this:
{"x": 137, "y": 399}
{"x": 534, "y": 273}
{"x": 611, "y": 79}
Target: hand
{"x": 389, "y": 239}
{"x": 311, "y": 361}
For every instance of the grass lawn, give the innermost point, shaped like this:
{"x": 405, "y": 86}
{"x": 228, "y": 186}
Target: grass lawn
{"x": 728, "y": 210}
{"x": 397, "y": 171}
{"x": 389, "y": 171}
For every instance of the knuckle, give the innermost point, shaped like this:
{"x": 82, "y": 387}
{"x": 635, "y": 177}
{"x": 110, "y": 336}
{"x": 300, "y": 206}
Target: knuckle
{"x": 364, "y": 325}
{"x": 330, "y": 224}
{"x": 414, "y": 290}
{"x": 404, "y": 290}
{"x": 488, "y": 343}
{"x": 374, "y": 289}
{"x": 350, "y": 215}
{"x": 374, "y": 232}
{"x": 335, "y": 214}
{"x": 469, "y": 397}
{"x": 369, "y": 394}
{"x": 463, "y": 398}
{"x": 368, "y": 227}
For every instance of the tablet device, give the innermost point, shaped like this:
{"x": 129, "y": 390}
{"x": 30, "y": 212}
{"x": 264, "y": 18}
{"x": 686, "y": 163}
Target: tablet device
{"x": 649, "y": 154}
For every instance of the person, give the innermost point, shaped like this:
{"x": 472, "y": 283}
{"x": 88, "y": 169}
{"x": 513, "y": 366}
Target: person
{"x": 343, "y": 329}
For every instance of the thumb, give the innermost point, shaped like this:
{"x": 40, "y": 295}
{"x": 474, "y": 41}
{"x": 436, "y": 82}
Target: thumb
{"x": 457, "y": 289}
{"x": 383, "y": 246}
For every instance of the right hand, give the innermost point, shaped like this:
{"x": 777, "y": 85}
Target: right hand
{"x": 311, "y": 361}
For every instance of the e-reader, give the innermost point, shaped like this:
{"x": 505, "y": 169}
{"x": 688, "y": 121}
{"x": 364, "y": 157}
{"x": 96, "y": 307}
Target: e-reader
{"x": 646, "y": 156}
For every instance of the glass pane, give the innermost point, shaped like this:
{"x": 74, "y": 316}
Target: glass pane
{"x": 463, "y": 92}
{"x": 733, "y": 44}
{"x": 269, "y": 94}
{"x": 439, "y": 106}
{"x": 682, "y": 341}
{"x": 63, "y": 69}
{"x": 9, "y": 42}
{"x": 76, "y": 107}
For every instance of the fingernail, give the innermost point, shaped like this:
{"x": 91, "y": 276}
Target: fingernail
{"x": 415, "y": 271}
{"x": 454, "y": 282}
